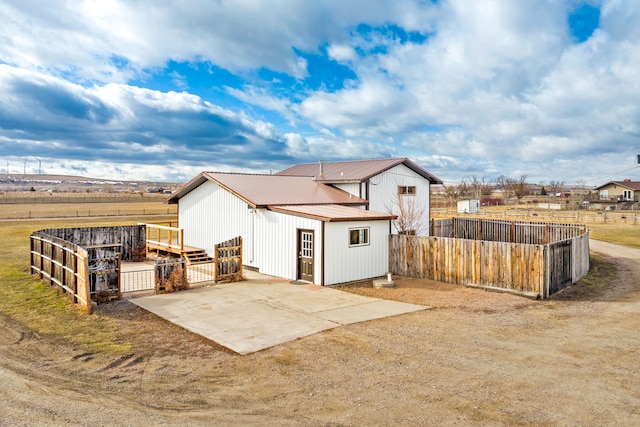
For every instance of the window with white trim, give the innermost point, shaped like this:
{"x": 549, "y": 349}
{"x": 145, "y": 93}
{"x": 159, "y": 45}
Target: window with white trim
{"x": 409, "y": 190}
{"x": 358, "y": 236}
{"x": 626, "y": 194}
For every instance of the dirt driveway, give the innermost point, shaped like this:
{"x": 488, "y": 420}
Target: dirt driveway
{"x": 476, "y": 358}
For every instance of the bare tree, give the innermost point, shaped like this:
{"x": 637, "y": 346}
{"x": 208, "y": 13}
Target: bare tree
{"x": 519, "y": 187}
{"x": 555, "y": 187}
{"x": 410, "y": 213}
{"x": 464, "y": 189}
{"x": 481, "y": 187}
{"x": 503, "y": 183}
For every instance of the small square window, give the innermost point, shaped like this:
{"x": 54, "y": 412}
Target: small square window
{"x": 407, "y": 189}
{"x": 358, "y": 236}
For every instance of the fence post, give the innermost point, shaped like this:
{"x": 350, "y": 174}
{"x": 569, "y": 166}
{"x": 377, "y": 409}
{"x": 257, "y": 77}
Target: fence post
{"x": 479, "y": 229}
{"x": 240, "y": 262}
{"x": 215, "y": 263}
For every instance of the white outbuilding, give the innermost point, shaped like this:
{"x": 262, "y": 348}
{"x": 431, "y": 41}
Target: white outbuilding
{"x": 294, "y": 227}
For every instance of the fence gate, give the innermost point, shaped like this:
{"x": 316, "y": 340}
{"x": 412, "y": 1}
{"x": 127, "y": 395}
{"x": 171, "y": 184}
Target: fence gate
{"x": 560, "y": 266}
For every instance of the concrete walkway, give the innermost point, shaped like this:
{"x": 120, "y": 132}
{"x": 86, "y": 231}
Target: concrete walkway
{"x": 265, "y": 311}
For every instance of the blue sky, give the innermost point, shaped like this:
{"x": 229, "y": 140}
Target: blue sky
{"x": 161, "y": 90}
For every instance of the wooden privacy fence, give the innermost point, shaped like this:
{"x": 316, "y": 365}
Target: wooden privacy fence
{"x": 535, "y": 270}
{"x": 227, "y": 260}
{"x": 131, "y": 238}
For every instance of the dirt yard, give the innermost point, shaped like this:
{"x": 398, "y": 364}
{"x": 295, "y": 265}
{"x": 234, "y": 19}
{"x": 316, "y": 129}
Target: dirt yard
{"x": 476, "y": 358}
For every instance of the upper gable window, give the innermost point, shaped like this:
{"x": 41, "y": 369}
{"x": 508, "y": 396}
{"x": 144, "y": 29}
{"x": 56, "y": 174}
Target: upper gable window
{"x": 407, "y": 189}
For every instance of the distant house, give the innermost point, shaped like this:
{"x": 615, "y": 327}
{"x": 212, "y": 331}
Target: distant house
{"x": 619, "y": 194}
{"x": 385, "y": 184}
{"x": 300, "y": 226}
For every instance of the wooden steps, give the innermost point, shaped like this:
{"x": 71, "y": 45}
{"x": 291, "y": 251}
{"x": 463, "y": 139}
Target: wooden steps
{"x": 197, "y": 256}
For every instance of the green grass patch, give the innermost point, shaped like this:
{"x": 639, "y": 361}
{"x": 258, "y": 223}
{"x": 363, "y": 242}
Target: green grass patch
{"x": 41, "y": 307}
{"x": 620, "y": 234}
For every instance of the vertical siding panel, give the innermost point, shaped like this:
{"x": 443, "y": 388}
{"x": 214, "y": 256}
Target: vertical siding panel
{"x": 344, "y": 263}
{"x": 385, "y": 186}
{"x": 210, "y": 214}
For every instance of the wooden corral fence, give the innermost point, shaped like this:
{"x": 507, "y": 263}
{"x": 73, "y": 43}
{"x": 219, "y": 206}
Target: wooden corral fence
{"x": 227, "y": 259}
{"x": 581, "y": 216}
{"x": 131, "y": 238}
{"x": 85, "y": 262}
{"x": 515, "y": 265}
{"x": 64, "y": 264}
{"x": 504, "y": 231}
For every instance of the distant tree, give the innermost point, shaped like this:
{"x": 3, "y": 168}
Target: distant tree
{"x": 32, "y": 189}
{"x": 503, "y": 183}
{"x": 464, "y": 189}
{"x": 556, "y": 187}
{"x": 481, "y": 187}
{"x": 543, "y": 192}
{"x": 519, "y": 187}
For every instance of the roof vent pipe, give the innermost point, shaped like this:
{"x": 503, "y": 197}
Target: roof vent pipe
{"x": 321, "y": 168}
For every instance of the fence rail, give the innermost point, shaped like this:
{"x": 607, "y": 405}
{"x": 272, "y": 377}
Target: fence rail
{"x": 582, "y": 216}
{"x": 64, "y": 264}
{"x": 504, "y": 231}
{"x": 459, "y": 253}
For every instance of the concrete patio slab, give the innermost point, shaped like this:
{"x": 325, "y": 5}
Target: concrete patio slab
{"x": 265, "y": 311}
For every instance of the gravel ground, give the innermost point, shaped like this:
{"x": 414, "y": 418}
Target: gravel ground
{"x": 476, "y": 358}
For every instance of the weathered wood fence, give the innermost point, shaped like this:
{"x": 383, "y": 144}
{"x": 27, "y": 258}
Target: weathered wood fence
{"x": 535, "y": 260}
{"x": 227, "y": 260}
{"x": 64, "y": 264}
{"x": 85, "y": 262}
{"x": 536, "y": 233}
{"x": 170, "y": 275}
{"x": 131, "y": 238}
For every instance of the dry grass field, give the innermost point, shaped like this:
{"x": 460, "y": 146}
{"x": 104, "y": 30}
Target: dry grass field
{"x": 475, "y": 358}
{"x": 43, "y": 205}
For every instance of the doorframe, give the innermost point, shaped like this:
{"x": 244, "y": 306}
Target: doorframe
{"x": 299, "y": 232}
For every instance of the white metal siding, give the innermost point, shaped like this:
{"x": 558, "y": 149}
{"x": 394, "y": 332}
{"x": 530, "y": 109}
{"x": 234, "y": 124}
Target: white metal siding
{"x": 384, "y": 187}
{"x": 343, "y": 263}
{"x": 209, "y": 214}
{"x": 276, "y": 244}
{"x": 350, "y": 188}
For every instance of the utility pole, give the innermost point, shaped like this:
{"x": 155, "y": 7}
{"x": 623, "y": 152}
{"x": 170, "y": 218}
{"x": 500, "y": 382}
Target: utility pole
{"x": 39, "y": 166}
{"x": 24, "y": 171}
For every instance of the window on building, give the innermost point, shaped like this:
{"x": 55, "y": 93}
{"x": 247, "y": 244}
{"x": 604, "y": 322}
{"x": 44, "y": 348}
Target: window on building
{"x": 626, "y": 194}
{"x": 604, "y": 194}
{"x": 407, "y": 189}
{"x": 358, "y": 236}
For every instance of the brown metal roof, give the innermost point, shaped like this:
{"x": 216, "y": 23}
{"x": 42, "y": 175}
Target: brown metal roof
{"x": 272, "y": 190}
{"x": 332, "y": 213}
{"x": 355, "y": 171}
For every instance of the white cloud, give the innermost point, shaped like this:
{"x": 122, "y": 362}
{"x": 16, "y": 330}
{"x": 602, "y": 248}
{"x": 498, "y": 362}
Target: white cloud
{"x": 495, "y": 85}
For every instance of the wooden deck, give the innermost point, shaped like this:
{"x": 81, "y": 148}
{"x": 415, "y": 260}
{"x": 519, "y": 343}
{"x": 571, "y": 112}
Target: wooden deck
{"x": 170, "y": 240}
